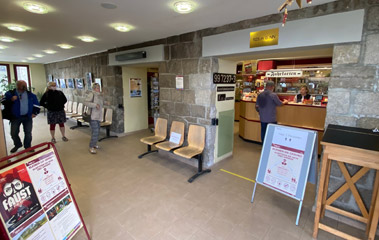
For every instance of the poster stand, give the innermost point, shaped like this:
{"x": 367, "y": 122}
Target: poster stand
{"x": 288, "y": 160}
{"x": 24, "y": 156}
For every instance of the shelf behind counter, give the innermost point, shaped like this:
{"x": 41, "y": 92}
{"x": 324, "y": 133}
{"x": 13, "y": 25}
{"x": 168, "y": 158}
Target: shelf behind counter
{"x": 294, "y": 115}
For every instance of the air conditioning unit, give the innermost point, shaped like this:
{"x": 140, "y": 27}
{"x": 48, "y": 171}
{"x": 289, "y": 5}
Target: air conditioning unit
{"x": 131, "y": 56}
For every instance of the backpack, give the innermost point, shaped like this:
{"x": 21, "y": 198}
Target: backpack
{"x": 7, "y": 110}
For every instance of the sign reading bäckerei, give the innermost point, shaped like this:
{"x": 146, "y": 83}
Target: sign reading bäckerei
{"x": 284, "y": 74}
{"x": 263, "y": 38}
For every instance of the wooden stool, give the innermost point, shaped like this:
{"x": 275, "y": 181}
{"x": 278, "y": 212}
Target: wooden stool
{"x": 354, "y": 146}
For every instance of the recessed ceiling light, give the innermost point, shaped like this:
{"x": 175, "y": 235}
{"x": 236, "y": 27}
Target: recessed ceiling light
{"x": 31, "y": 58}
{"x": 7, "y": 39}
{"x": 48, "y": 51}
{"x": 121, "y": 27}
{"x": 65, "y": 46}
{"x": 183, "y": 7}
{"x": 3, "y": 47}
{"x": 38, "y": 55}
{"x": 16, "y": 27}
{"x": 87, "y": 38}
{"x": 23, "y": 61}
{"x": 108, "y": 5}
{"x": 35, "y": 7}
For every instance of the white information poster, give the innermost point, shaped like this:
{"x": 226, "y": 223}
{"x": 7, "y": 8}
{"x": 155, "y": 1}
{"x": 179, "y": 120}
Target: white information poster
{"x": 179, "y": 82}
{"x": 285, "y": 160}
{"x": 38, "y": 229}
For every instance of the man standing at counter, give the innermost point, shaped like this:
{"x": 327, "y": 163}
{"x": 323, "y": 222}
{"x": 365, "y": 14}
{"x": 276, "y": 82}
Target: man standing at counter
{"x": 266, "y": 105}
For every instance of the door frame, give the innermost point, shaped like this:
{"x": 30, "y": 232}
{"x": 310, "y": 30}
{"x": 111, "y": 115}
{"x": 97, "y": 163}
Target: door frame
{"x": 8, "y": 71}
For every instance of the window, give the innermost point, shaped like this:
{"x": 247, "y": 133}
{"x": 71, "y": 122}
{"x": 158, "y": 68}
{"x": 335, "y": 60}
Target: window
{"x": 5, "y": 77}
{"x": 22, "y": 72}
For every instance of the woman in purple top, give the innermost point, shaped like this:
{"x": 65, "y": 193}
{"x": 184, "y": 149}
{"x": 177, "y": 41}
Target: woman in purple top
{"x": 266, "y": 105}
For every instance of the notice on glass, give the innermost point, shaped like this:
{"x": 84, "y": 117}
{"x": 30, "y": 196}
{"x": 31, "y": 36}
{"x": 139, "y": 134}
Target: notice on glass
{"x": 135, "y": 85}
{"x": 285, "y": 160}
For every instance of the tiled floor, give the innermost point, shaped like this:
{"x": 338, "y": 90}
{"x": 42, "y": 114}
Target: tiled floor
{"x": 123, "y": 197}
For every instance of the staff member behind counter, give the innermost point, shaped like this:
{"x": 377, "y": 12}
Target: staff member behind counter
{"x": 304, "y": 95}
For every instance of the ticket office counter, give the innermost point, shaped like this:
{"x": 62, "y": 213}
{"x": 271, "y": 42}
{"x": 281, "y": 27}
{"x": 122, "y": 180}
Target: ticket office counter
{"x": 294, "y": 115}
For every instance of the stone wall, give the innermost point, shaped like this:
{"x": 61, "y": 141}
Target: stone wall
{"x": 97, "y": 64}
{"x": 354, "y": 97}
{"x": 195, "y": 104}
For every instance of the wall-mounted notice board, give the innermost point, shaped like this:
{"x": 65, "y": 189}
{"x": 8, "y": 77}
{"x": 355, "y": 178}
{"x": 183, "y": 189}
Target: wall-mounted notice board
{"x": 36, "y": 201}
{"x": 288, "y": 160}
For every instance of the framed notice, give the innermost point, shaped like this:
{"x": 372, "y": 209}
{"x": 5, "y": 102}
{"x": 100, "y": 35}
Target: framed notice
{"x": 89, "y": 81}
{"x": 179, "y": 82}
{"x": 288, "y": 160}
{"x": 62, "y": 83}
{"x": 135, "y": 86}
{"x": 98, "y": 81}
{"x": 70, "y": 83}
{"x": 37, "y": 202}
{"x": 79, "y": 83}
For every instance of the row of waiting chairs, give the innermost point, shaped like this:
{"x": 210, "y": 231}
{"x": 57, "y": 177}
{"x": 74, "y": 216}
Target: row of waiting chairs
{"x": 75, "y": 110}
{"x": 194, "y": 149}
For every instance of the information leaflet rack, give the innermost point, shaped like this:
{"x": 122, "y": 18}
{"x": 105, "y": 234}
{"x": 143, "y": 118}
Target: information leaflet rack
{"x": 288, "y": 160}
{"x": 36, "y": 200}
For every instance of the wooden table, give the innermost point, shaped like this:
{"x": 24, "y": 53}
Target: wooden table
{"x": 354, "y": 146}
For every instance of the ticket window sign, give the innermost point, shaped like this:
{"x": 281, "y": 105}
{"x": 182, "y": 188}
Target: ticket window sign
{"x": 264, "y": 38}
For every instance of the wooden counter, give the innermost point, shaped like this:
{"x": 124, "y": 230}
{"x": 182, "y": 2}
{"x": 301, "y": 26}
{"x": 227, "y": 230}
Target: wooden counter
{"x": 295, "y": 115}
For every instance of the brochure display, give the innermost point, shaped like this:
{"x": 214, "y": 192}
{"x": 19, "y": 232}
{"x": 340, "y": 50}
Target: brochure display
{"x": 36, "y": 198}
{"x": 287, "y": 156}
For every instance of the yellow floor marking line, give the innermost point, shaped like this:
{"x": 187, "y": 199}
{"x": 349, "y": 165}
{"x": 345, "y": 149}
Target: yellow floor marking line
{"x": 248, "y": 179}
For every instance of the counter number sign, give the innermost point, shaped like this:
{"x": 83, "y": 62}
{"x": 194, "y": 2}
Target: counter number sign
{"x": 222, "y": 78}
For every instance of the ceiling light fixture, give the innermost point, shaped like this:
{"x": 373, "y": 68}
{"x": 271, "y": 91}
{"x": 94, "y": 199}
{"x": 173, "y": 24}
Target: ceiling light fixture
{"x": 65, "y": 46}
{"x": 183, "y": 7}
{"x": 3, "y": 47}
{"x": 23, "y": 61}
{"x": 7, "y": 39}
{"x": 48, "y": 51}
{"x": 309, "y": 1}
{"x": 35, "y": 7}
{"x": 31, "y": 58}
{"x": 16, "y": 27}
{"x": 38, "y": 55}
{"x": 87, "y": 38}
{"x": 121, "y": 27}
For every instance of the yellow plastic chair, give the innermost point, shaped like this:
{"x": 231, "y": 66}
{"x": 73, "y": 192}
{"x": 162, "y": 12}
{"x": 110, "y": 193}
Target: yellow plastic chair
{"x": 176, "y": 127}
{"x": 160, "y": 136}
{"x": 195, "y": 148}
{"x": 107, "y": 124}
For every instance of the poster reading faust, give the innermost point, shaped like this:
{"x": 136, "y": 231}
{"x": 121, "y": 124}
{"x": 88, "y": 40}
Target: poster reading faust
{"x": 285, "y": 160}
{"x": 17, "y": 196}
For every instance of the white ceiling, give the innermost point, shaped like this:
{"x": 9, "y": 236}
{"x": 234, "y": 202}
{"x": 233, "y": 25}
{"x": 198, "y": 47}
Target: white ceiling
{"x": 152, "y": 19}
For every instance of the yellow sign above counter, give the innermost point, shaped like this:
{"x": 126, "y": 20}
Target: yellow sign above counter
{"x": 264, "y": 38}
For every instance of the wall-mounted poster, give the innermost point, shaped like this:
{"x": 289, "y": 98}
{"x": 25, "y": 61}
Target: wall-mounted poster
{"x": 98, "y": 80}
{"x": 79, "y": 83}
{"x": 57, "y": 83}
{"x": 62, "y": 83}
{"x": 70, "y": 83}
{"x": 89, "y": 81}
{"x": 135, "y": 86}
{"x": 50, "y": 78}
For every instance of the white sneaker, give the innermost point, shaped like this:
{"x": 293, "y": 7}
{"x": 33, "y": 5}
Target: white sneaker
{"x": 92, "y": 150}
{"x": 97, "y": 147}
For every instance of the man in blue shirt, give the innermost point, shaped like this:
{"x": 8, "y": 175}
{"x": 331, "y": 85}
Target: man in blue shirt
{"x": 24, "y": 109}
{"x": 266, "y": 105}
